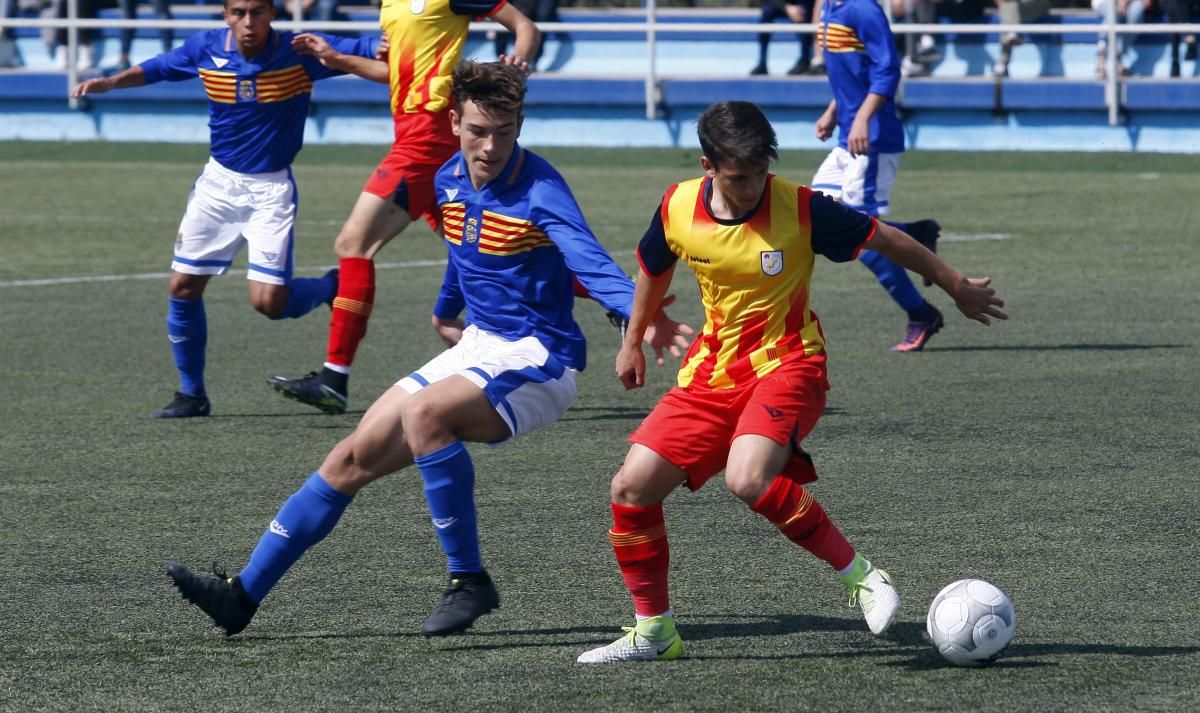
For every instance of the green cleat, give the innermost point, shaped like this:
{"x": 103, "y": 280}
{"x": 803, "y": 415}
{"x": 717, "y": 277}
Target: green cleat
{"x": 653, "y": 639}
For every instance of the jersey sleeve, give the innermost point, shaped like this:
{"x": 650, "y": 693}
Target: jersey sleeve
{"x": 450, "y": 301}
{"x": 653, "y": 253}
{"x": 357, "y": 46}
{"x": 883, "y": 73}
{"x": 476, "y": 8}
{"x": 839, "y": 233}
{"x": 178, "y": 64}
{"x": 554, "y": 210}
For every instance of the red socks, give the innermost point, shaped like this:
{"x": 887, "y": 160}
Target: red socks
{"x": 802, "y": 520}
{"x": 351, "y": 309}
{"x": 639, "y": 539}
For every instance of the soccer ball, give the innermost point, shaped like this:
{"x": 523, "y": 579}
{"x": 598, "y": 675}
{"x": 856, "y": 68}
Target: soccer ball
{"x": 971, "y": 622}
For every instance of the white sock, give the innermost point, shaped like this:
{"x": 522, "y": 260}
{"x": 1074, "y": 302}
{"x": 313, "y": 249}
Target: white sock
{"x": 850, "y": 567}
{"x": 668, "y": 613}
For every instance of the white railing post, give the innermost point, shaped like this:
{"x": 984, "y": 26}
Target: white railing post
{"x": 651, "y": 62}
{"x": 1111, "y": 98}
{"x": 72, "y": 49}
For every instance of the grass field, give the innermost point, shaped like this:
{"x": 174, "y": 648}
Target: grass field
{"x": 1056, "y": 455}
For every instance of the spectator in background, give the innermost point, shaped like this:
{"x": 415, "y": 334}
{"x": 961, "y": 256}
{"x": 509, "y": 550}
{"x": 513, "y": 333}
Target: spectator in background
{"x": 538, "y": 11}
{"x": 923, "y": 54}
{"x": 56, "y": 38}
{"x": 797, "y": 11}
{"x": 1181, "y": 11}
{"x": 1128, "y": 11}
{"x": 314, "y": 10}
{"x": 129, "y": 11}
{"x": 10, "y": 56}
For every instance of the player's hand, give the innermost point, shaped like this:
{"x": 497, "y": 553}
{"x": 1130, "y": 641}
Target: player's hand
{"x": 96, "y": 85}
{"x": 825, "y": 126}
{"x": 381, "y": 49}
{"x": 450, "y": 330}
{"x": 631, "y": 366}
{"x": 978, "y": 301}
{"x": 314, "y": 46}
{"x": 516, "y": 61}
{"x": 666, "y": 333}
{"x": 858, "y": 143}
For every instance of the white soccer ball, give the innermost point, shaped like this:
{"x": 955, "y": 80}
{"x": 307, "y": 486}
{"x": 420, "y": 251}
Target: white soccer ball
{"x": 971, "y": 622}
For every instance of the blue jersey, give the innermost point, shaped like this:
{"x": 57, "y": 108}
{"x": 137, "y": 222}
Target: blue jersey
{"x": 256, "y": 107}
{"x": 514, "y": 245}
{"x": 860, "y": 59}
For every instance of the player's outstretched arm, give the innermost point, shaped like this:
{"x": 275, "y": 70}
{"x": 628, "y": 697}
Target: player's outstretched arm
{"x": 974, "y": 297}
{"x": 526, "y": 36}
{"x": 314, "y": 45}
{"x": 648, "y": 295}
{"x": 132, "y": 77}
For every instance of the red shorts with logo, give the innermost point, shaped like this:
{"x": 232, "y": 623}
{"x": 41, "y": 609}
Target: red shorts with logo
{"x": 694, "y": 428}
{"x": 423, "y": 142}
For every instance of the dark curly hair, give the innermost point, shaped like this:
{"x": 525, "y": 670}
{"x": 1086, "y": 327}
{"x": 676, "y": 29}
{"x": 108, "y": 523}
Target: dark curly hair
{"x": 736, "y": 132}
{"x": 493, "y": 87}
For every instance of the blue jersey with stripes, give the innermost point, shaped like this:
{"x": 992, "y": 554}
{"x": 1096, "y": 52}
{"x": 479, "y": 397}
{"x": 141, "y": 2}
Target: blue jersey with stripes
{"x": 860, "y": 59}
{"x": 257, "y": 106}
{"x": 514, "y": 245}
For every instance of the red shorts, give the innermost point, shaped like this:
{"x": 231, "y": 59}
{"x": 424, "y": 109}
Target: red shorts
{"x": 423, "y": 142}
{"x": 694, "y": 428}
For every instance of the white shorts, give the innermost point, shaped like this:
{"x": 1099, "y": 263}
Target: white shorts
{"x": 225, "y": 210}
{"x": 528, "y": 386}
{"x": 860, "y": 182}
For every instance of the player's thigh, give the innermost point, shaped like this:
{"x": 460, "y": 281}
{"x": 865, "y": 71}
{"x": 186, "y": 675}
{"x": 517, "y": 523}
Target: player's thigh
{"x": 453, "y": 407}
{"x": 372, "y": 223}
{"x": 692, "y": 430}
{"x": 753, "y": 463}
{"x": 831, "y": 174}
{"x": 271, "y": 228}
{"x": 210, "y": 232}
{"x": 645, "y": 478}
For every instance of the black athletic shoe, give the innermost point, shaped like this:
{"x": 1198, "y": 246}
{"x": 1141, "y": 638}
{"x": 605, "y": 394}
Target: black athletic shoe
{"x": 759, "y": 69}
{"x": 220, "y": 597}
{"x": 926, "y": 232}
{"x": 800, "y": 67}
{"x": 468, "y": 597}
{"x": 309, "y": 389}
{"x": 184, "y": 406}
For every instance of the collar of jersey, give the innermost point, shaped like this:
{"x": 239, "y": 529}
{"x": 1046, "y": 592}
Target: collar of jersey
{"x": 706, "y": 195}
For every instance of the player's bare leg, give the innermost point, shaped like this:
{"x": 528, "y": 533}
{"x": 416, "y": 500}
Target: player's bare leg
{"x": 372, "y": 224}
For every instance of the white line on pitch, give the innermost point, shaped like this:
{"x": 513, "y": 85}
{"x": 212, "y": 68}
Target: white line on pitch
{"x": 83, "y": 279}
{"x": 953, "y": 238}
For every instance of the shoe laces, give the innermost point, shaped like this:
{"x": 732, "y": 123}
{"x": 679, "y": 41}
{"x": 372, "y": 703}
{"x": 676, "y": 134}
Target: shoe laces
{"x": 867, "y": 593}
{"x": 458, "y": 589}
{"x": 914, "y": 331}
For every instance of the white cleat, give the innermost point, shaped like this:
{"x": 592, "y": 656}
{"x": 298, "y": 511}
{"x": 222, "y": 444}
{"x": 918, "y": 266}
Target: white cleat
{"x": 877, "y": 597}
{"x": 653, "y": 639}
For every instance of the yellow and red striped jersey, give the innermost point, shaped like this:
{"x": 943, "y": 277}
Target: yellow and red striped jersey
{"x": 425, "y": 42}
{"x": 753, "y": 274}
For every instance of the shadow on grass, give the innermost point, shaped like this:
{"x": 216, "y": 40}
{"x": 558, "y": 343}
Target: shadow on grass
{"x": 1060, "y": 348}
{"x": 302, "y": 414}
{"x": 606, "y": 413}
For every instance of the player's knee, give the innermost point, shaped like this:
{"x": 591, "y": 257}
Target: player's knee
{"x": 421, "y": 421}
{"x": 627, "y": 489}
{"x": 342, "y": 468}
{"x": 186, "y": 287}
{"x": 746, "y": 483}
{"x": 350, "y": 242}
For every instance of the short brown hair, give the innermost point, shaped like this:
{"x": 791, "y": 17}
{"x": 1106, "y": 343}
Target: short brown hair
{"x": 736, "y": 132}
{"x": 494, "y": 87}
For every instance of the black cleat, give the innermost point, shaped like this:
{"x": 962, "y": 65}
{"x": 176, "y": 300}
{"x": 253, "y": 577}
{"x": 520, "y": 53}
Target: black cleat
{"x": 220, "y": 597}
{"x": 184, "y": 406}
{"x": 468, "y": 597}
{"x": 926, "y": 232}
{"x": 759, "y": 69}
{"x": 309, "y": 389}
{"x": 800, "y": 67}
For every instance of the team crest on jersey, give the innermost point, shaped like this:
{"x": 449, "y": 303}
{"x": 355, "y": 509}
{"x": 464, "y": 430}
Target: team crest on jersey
{"x": 246, "y": 90}
{"x": 471, "y": 232}
{"x": 416, "y": 7}
{"x": 772, "y": 262}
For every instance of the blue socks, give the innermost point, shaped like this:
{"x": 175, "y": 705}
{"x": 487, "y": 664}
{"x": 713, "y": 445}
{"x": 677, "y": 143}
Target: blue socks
{"x": 449, "y": 477}
{"x": 187, "y": 328}
{"x": 894, "y": 279}
{"x": 308, "y": 292}
{"x": 303, "y": 521}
